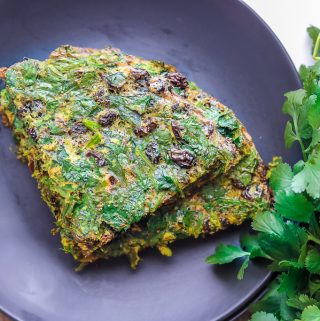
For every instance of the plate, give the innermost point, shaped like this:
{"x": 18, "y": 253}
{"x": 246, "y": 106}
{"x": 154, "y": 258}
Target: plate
{"x": 228, "y": 51}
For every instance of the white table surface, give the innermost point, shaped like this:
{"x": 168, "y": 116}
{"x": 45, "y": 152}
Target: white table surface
{"x": 289, "y": 20}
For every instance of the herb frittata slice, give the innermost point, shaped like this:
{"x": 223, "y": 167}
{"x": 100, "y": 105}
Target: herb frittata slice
{"x": 227, "y": 200}
{"x": 111, "y": 138}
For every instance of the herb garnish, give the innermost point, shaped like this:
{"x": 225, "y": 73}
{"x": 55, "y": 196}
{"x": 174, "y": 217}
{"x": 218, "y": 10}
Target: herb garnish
{"x": 289, "y": 235}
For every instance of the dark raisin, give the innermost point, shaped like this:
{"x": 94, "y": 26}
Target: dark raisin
{"x": 78, "y": 128}
{"x": 237, "y": 184}
{"x": 32, "y": 133}
{"x": 101, "y": 98}
{"x": 224, "y": 222}
{"x": 107, "y": 119}
{"x": 53, "y": 199}
{"x": 27, "y": 106}
{"x": 181, "y": 108}
{"x": 97, "y": 156}
{"x": 147, "y": 127}
{"x": 177, "y": 79}
{"x": 247, "y": 195}
{"x": 35, "y": 107}
{"x": 206, "y": 226}
{"x": 157, "y": 85}
{"x": 112, "y": 180}
{"x": 181, "y": 157}
{"x": 176, "y": 107}
{"x": 153, "y": 152}
{"x": 177, "y": 130}
{"x": 139, "y": 74}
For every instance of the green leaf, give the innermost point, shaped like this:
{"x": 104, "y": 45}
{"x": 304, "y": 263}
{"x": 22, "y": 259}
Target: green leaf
{"x": 285, "y": 248}
{"x": 293, "y": 102}
{"x": 313, "y": 261}
{"x": 310, "y": 313}
{"x": 315, "y": 138}
{"x": 90, "y": 124}
{"x": 314, "y": 284}
{"x": 304, "y": 73}
{"x": 314, "y": 227}
{"x": 308, "y": 178}
{"x": 281, "y": 178}
{"x": 298, "y": 167}
{"x": 290, "y": 282}
{"x": 95, "y": 140}
{"x": 116, "y": 80}
{"x": 270, "y": 301}
{"x": 314, "y": 115}
{"x": 287, "y": 313}
{"x": 244, "y": 265}
{"x": 226, "y": 254}
{"x": 268, "y": 222}
{"x": 293, "y": 206}
{"x": 289, "y": 136}
{"x": 301, "y": 302}
{"x": 250, "y": 243}
{"x": 262, "y": 316}
{"x": 313, "y": 33}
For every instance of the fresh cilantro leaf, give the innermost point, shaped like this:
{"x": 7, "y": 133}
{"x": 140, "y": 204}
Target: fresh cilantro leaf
{"x": 311, "y": 313}
{"x": 289, "y": 236}
{"x": 308, "y": 178}
{"x": 293, "y": 206}
{"x": 262, "y": 316}
{"x": 303, "y": 73}
{"x": 301, "y": 302}
{"x": 226, "y": 254}
{"x": 281, "y": 178}
{"x": 285, "y": 248}
{"x": 289, "y": 135}
{"x": 268, "y": 222}
{"x": 314, "y": 114}
{"x": 286, "y": 313}
{"x": 290, "y": 282}
{"x": 313, "y": 33}
{"x": 250, "y": 243}
{"x": 314, "y": 227}
{"x": 270, "y": 301}
{"x": 298, "y": 167}
{"x": 244, "y": 265}
{"x": 313, "y": 261}
{"x": 315, "y": 138}
{"x": 314, "y": 285}
{"x": 293, "y": 103}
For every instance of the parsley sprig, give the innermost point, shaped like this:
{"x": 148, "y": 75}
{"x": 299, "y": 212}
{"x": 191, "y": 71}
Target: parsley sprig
{"x": 288, "y": 236}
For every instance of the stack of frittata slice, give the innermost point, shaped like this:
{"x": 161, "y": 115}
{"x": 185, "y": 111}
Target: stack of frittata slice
{"x": 128, "y": 153}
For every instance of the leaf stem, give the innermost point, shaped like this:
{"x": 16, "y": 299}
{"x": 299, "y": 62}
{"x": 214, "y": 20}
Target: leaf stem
{"x": 316, "y": 49}
{"x": 295, "y": 124}
{"x": 313, "y": 239}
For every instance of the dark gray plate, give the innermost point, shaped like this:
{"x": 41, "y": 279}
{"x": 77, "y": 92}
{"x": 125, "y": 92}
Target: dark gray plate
{"x": 227, "y": 50}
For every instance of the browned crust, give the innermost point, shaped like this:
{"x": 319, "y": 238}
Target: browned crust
{"x": 3, "y": 72}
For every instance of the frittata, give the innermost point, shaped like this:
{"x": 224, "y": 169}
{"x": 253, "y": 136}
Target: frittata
{"x": 229, "y": 199}
{"x": 112, "y": 138}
